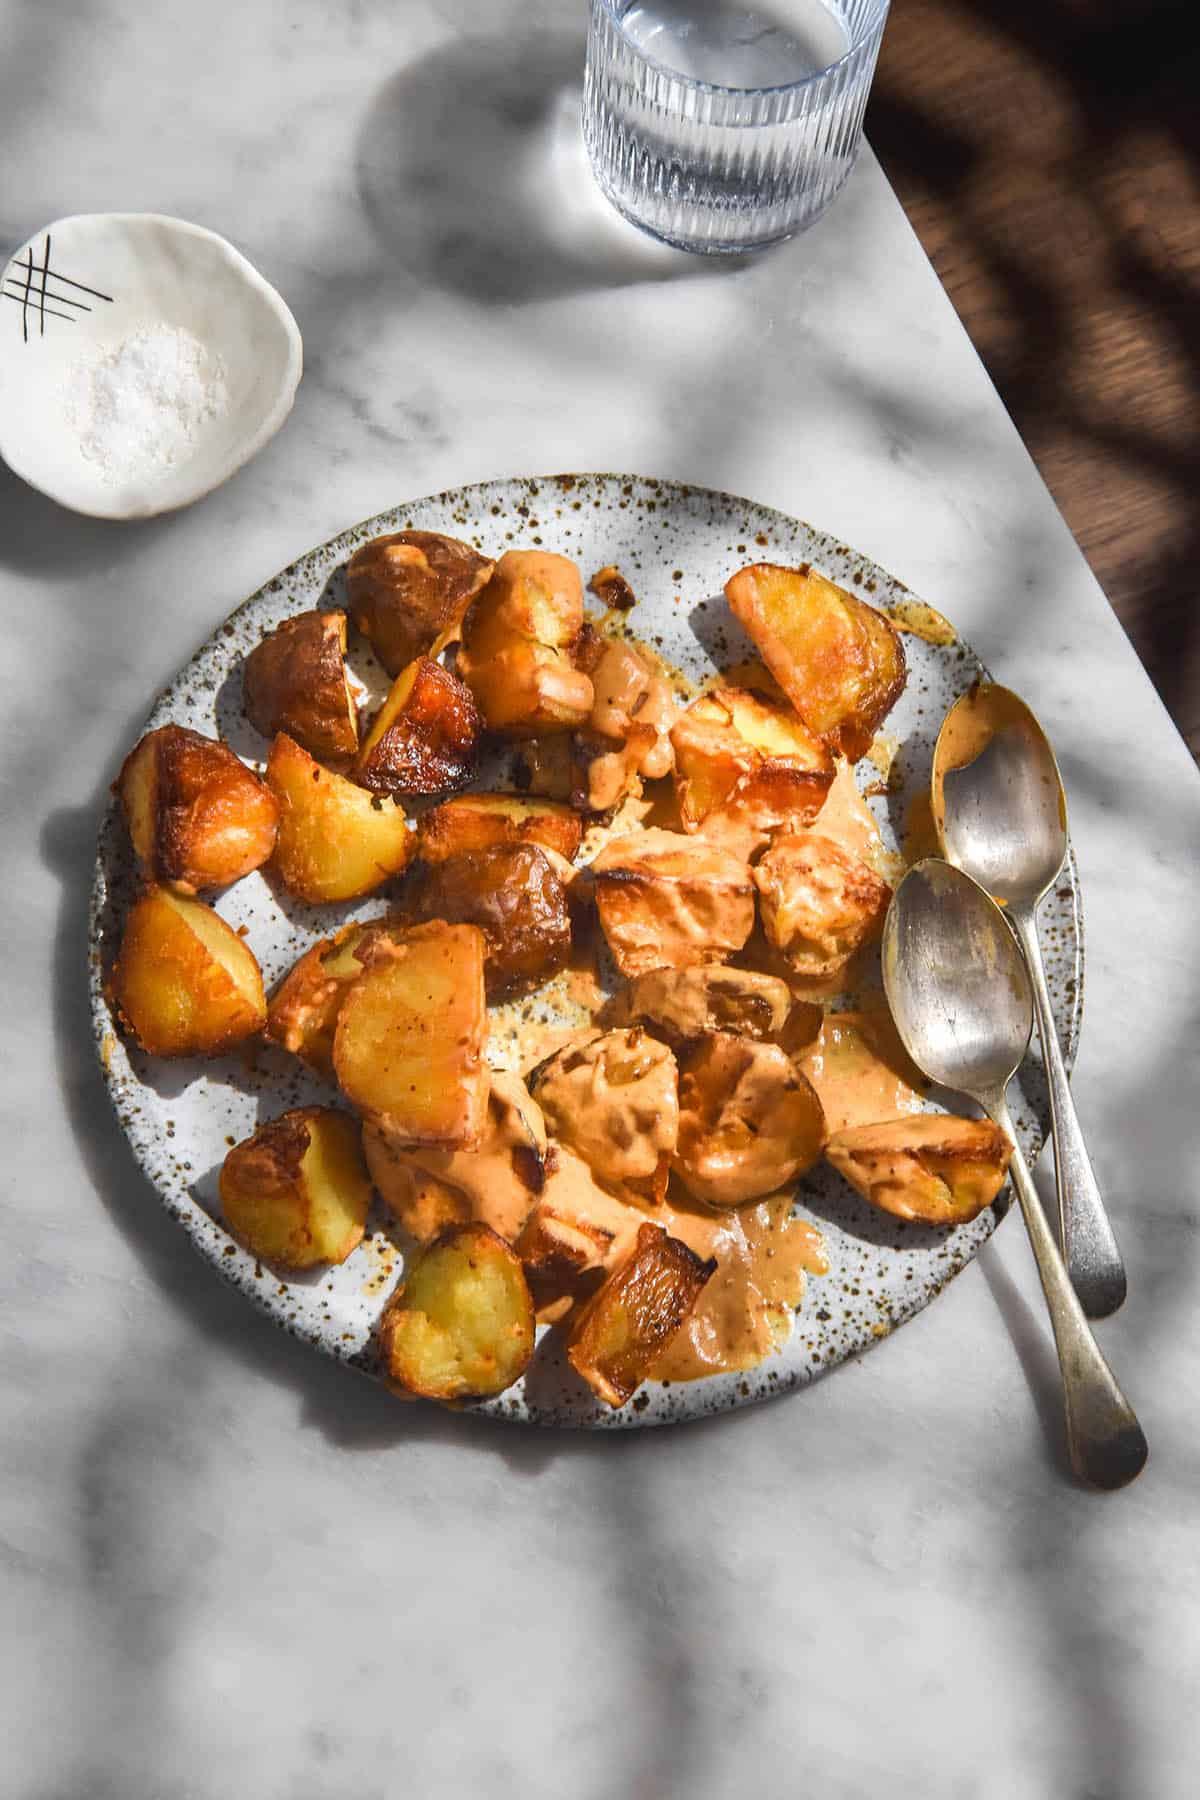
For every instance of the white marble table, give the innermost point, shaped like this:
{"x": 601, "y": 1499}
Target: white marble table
{"x": 232, "y": 1568}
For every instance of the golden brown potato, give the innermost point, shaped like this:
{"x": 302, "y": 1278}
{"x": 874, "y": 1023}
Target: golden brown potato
{"x": 514, "y": 896}
{"x": 184, "y": 981}
{"x": 637, "y": 1312}
{"x": 557, "y": 1251}
{"x": 304, "y": 1007}
{"x": 336, "y": 841}
{"x": 940, "y": 1170}
{"x": 546, "y": 768}
{"x": 517, "y": 642}
{"x": 745, "y": 766}
{"x": 666, "y": 901}
{"x": 749, "y": 1121}
{"x": 296, "y": 681}
{"x": 684, "y": 1004}
{"x": 838, "y": 660}
{"x": 197, "y": 817}
{"x": 462, "y": 1324}
{"x": 818, "y": 904}
{"x": 297, "y": 1192}
{"x": 615, "y": 1102}
{"x": 480, "y": 821}
{"x": 410, "y": 589}
{"x": 408, "y": 1046}
{"x": 627, "y": 733}
{"x": 425, "y": 736}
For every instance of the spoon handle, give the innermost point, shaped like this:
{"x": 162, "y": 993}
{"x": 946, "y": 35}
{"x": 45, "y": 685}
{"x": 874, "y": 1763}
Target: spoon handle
{"x": 1089, "y": 1246}
{"x": 1106, "y": 1444}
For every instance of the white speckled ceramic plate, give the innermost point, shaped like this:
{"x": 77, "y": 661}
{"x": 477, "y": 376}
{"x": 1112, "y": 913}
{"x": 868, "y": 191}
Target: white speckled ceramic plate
{"x": 677, "y": 545}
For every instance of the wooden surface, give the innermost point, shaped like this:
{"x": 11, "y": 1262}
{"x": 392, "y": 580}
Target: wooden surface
{"x": 1048, "y": 155}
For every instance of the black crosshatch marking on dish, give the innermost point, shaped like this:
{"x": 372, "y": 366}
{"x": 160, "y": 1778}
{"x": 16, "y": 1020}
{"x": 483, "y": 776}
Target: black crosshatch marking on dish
{"x": 27, "y": 298}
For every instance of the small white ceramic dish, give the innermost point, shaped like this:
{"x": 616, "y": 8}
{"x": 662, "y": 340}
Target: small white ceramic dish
{"x": 80, "y": 288}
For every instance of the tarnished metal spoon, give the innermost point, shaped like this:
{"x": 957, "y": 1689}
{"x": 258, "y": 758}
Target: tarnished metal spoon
{"x": 959, "y": 993}
{"x": 1001, "y": 815}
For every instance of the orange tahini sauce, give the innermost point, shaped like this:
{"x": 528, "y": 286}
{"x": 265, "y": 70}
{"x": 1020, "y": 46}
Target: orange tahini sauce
{"x": 860, "y": 1071}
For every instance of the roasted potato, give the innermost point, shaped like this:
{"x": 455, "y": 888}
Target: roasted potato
{"x": 410, "y": 589}
{"x": 462, "y": 1324}
{"x": 665, "y": 900}
{"x": 817, "y": 903}
{"x": 546, "y": 768}
{"x": 424, "y": 738}
{"x": 481, "y": 821}
{"x": 336, "y": 841}
{"x": 634, "y": 1316}
{"x": 184, "y": 981}
{"x": 517, "y": 642}
{"x": 304, "y": 1007}
{"x": 684, "y": 1004}
{"x": 498, "y": 1181}
{"x": 297, "y": 1191}
{"x": 940, "y": 1170}
{"x": 408, "y": 1046}
{"x": 514, "y": 896}
{"x": 745, "y": 766}
{"x": 197, "y": 817}
{"x": 296, "y": 681}
{"x": 627, "y": 733}
{"x": 838, "y": 660}
{"x": 749, "y": 1121}
{"x": 614, "y": 1101}
{"x": 557, "y": 1251}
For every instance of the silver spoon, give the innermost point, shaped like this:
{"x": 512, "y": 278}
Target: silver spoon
{"x": 1001, "y": 815}
{"x": 959, "y": 993}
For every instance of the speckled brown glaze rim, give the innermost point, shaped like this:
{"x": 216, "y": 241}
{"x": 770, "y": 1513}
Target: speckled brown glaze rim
{"x": 641, "y": 513}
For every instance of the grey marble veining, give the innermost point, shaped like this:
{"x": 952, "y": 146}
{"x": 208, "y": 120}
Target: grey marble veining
{"x": 232, "y": 1568}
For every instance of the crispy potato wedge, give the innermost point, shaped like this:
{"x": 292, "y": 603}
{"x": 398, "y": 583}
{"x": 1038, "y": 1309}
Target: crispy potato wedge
{"x": 749, "y": 1121}
{"x": 665, "y": 900}
{"x": 637, "y": 1312}
{"x": 410, "y": 589}
{"x": 197, "y": 816}
{"x": 817, "y": 903}
{"x": 684, "y": 1004}
{"x": 517, "y": 900}
{"x": 517, "y": 642}
{"x": 498, "y": 1181}
{"x": 408, "y": 1046}
{"x": 615, "y": 1102}
{"x": 940, "y": 1170}
{"x": 297, "y": 1191}
{"x": 336, "y": 841}
{"x": 481, "y": 821}
{"x": 304, "y": 1007}
{"x": 838, "y": 660}
{"x": 296, "y": 681}
{"x": 462, "y": 1324}
{"x": 557, "y": 1251}
{"x": 745, "y": 766}
{"x": 424, "y": 738}
{"x": 184, "y": 981}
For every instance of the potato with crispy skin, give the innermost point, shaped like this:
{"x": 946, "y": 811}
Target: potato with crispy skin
{"x": 614, "y": 1101}
{"x": 839, "y": 661}
{"x": 818, "y": 904}
{"x": 517, "y": 643}
{"x": 461, "y": 1326}
{"x": 481, "y": 821}
{"x": 666, "y": 901}
{"x": 745, "y": 766}
{"x": 409, "y": 590}
{"x": 197, "y": 816}
{"x": 634, "y": 1316}
{"x": 184, "y": 981}
{"x": 627, "y": 733}
{"x": 517, "y": 900}
{"x": 336, "y": 841}
{"x": 937, "y": 1169}
{"x": 295, "y": 680}
{"x": 304, "y": 1007}
{"x": 749, "y": 1121}
{"x": 558, "y": 1252}
{"x": 424, "y": 738}
{"x": 684, "y": 1004}
{"x": 297, "y": 1191}
{"x": 408, "y": 1046}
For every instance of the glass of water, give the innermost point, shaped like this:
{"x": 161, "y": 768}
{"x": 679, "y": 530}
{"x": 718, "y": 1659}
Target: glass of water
{"x": 721, "y": 127}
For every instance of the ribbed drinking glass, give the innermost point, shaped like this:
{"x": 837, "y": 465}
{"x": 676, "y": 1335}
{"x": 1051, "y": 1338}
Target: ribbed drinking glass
{"x": 723, "y": 128}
